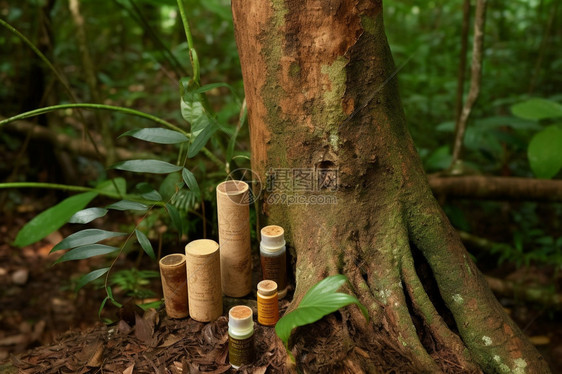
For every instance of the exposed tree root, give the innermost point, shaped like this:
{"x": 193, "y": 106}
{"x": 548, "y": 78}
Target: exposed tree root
{"x": 456, "y": 326}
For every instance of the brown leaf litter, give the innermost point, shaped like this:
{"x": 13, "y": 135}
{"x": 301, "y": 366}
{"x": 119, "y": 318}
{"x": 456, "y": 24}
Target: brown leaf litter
{"x": 155, "y": 344}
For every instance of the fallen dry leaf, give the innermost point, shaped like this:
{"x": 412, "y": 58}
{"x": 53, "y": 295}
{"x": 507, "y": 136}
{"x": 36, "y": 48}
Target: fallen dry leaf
{"x": 129, "y": 370}
{"x": 97, "y": 358}
{"x": 170, "y": 340}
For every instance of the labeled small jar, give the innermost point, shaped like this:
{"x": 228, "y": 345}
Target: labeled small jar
{"x": 268, "y": 303}
{"x": 240, "y": 336}
{"x": 273, "y": 257}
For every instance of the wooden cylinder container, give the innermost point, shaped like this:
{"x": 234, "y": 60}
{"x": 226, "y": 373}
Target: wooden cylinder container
{"x": 174, "y": 285}
{"x": 203, "y": 280}
{"x": 234, "y": 237}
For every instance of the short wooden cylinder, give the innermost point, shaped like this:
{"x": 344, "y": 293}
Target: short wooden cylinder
{"x": 174, "y": 285}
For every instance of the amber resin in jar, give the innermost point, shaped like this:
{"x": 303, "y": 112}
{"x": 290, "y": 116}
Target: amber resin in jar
{"x": 273, "y": 257}
{"x": 268, "y": 303}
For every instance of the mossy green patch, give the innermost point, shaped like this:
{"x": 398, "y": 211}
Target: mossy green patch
{"x": 368, "y": 24}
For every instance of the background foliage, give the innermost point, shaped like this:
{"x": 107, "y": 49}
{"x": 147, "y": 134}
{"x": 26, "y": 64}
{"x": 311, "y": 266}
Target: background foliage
{"x": 139, "y": 56}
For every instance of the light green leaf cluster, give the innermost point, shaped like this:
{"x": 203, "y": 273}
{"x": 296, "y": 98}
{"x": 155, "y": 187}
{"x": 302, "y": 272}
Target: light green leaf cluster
{"x": 321, "y": 300}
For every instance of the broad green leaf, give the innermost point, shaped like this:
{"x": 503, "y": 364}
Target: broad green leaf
{"x": 516, "y": 123}
{"x": 537, "y": 109}
{"x": 152, "y": 195}
{"x": 318, "y": 302}
{"x": 170, "y": 185}
{"x": 200, "y": 140}
{"x": 440, "y": 159}
{"x": 176, "y": 218}
{"x": 52, "y": 219}
{"x": 448, "y": 126}
{"x": 190, "y": 181}
{"x": 148, "y": 192}
{"x": 147, "y": 166}
{"x": 545, "y": 152}
{"x": 128, "y": 205}
{"x": 86, "y": 251}
{"x": 157, "y": 135}
{"x": 85, "y": 237}
{"x": 325, "y": 286}
{"x": 109, "y": 186}
{"x": 196, "y": 110}
{"x": 219, "y": 8}
{"x": 153, "y": 305}
{"x": 145, "y": 244}
{"x": 93, "y": 275}
{"x": 87, "y": 215}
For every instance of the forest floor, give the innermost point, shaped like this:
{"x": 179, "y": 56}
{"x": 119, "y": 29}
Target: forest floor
{"x": 46, "y": 327}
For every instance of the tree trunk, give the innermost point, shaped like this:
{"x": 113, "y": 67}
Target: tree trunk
{"x": 328, "y": 133}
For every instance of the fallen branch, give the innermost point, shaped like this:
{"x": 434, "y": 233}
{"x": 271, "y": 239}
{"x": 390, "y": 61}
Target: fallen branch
{"x": 68, "y": 143}
{"x": 536, "y": 294}
{"x": 497, "y": 188}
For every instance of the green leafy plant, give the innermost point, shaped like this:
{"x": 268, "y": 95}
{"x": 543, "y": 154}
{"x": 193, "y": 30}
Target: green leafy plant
{"x": 134, "y": 282}
{"x": 544, "y": 148}
{"x": 321, "y": 300}
{"x": 179, "y": 192}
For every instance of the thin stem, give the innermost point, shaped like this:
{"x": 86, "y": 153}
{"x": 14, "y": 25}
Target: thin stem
{"x": 66, "y": 187}
{"x": 192, "y": 54}
{"x": 475, "y": 77}
{"x": 59, "y": 77}
{"x": 462, "y": 59}
{"x": 115, "y": 108}
{"x": 40, "y": 55}
{"x": 136, "y": 14}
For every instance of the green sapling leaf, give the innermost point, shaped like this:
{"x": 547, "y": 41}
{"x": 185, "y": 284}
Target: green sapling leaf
{"x": 318, "y": 302}
{"x": 87, "y": 215}
{"x": 86, "y": 251}
{"x": 145, "y": 244}
{"x": 52, "y": 219}
{"x": 91, "y": 276}
{"x": 157, "y": 135}
{"x": 85, "y": 237}
{"x": 147, "y": 166}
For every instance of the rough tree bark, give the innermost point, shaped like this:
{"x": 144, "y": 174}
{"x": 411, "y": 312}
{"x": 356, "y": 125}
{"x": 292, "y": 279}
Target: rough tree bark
{"x": 321, "y": 96}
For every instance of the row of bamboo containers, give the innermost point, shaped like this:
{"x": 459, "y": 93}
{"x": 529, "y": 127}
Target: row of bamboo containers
{"x": 193, "y": 284}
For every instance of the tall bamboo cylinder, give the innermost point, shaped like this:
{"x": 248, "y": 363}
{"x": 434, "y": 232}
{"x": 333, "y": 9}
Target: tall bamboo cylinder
{"x": 203, "y": 280}
{"x": 174, "y": 285}
{"x": 234, "y": 237}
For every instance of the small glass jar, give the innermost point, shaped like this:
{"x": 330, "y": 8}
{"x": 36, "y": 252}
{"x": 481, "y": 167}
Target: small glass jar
{"x": 273, "y": 257}
{"x": 268, "y": 303}
{"x": 240, "y": 336}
